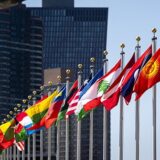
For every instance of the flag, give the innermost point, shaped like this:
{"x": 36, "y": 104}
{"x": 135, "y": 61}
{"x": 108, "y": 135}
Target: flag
{"x": 111, "y": 97}
{"x": 79, "y": 110}
{"x": 38, "y": 110}
{"x": 72, "y": 92}
{"x": 149, "y": 75}
{"x": 91, "y": 98}
{"x": 20, "y": 145}
{"x": 7, "y": 134}
{"x": 73, "y": 104}
{"x": 25, "y": 122}
{"x": 74, "y": 101}
{"x": 20, "y": 133}
{"x": 131, "y": 77}
{"x": 52, "y": 114}
{"x": 41, "y": 124}
{"x": 37, "y": 113}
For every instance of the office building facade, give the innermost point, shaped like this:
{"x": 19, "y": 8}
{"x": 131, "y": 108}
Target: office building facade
{"x": 73, "y": 36}
{"x": 21, "y": 36}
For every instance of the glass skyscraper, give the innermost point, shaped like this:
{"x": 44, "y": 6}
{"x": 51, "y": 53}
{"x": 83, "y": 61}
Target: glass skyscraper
{"x": 73, "y": 36}
{"x": 21, "y": 37}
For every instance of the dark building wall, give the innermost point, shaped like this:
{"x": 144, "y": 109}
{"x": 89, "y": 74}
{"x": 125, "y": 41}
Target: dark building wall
{"x": 73, "y": 36}
{"x": 58, "y": 3}
{"x": 21, "y": 53}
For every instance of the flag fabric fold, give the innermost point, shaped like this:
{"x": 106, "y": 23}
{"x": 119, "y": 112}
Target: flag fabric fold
{"x": 72, "y": 93}
{"x": 74, "y": 101}
{"x": 38, "y": 110}
{"x": 20, "y": 145}
{"x": 20, "y": 133}
{"x": 131, "y": 77}
{"x": 37, "y": 113}
{"x": 80, "y": 110}
{"x": 24, "y": 120}
{"x": 111, "y": 97}
{"x": 91, "y": 98}
{"x": 7, "y": 134}
{"x": 56, "y": 104}
{"x": 149, "y": 75}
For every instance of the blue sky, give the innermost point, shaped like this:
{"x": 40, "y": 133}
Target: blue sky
{"x": 127, "y": 20}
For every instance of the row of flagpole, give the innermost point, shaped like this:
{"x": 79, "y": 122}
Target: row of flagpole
{"x": 105, "y": 122}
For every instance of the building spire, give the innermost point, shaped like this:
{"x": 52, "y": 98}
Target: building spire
{"x": 58, "y": 4}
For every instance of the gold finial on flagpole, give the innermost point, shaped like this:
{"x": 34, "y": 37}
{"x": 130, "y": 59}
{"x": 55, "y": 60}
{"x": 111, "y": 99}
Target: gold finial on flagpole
{"x": 11, "y": 112}
{"x": 18, "y": 105}
{"x": 138, "y": 38}
{"x": 105, "y": 53}
{"x": 122, "y": 47}
{"x": 29, "y": 97}
{"x": 80, "y": 66}
{"x": 50, "y": 83}
{"x": 8, "y": 116}
{"x": 68, "y": 71}
{"x": 59, "y": 78}
{"x": 24, "y": 101}
{"x": 92, "y": 60}
{"x": 41, "y": 88}
{"x": 154, "y": 30}
{"x": 34, "y": 93}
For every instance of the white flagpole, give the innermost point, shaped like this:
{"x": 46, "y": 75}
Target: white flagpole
{"x": 14, "y": 152}
{"x": 58, "y": 125}
{"x": 29, "y": 138}
{"x": 105, "y": 114}
{"x": 7, "y": 154}
{"x": 121, "y": 128}
{"x": 23, "y": 153}
{"x": 41, "y": 131}
{"x": 137, "y": 111}
{"x": 18, "y": 155}
{"x": 4, "y": 155}
{"x": 10, "y": 153}
{"x": 67, "y": 120}
{"x": 154, "y": 99}
{"x": 92, "y": 60}
{"x": 50, "y": 129}
{"x": 23, "y": 106}
{"x": 34, "y": 135}
{"x": 79, "y": 122}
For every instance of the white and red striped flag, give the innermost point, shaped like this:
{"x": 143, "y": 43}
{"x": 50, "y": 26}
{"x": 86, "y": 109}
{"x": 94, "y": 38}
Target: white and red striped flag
{"x": 20, "y": 145}
{"x": 74, "y": 101}
{"x": 73, "y": 104}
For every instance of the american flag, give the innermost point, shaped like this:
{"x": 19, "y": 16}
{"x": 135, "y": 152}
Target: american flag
{"x": 73, "y": 104}
{"x": 74, "y": 101}
{"x": 20, "y": 145}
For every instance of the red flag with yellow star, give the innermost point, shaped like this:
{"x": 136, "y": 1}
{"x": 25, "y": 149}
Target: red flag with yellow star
{"x": 149, "y": 75}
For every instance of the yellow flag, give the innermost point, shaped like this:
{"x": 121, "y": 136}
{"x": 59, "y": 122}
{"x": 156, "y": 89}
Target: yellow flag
{"x": 7, "y": 129}
{"x": 41, "y": 106}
